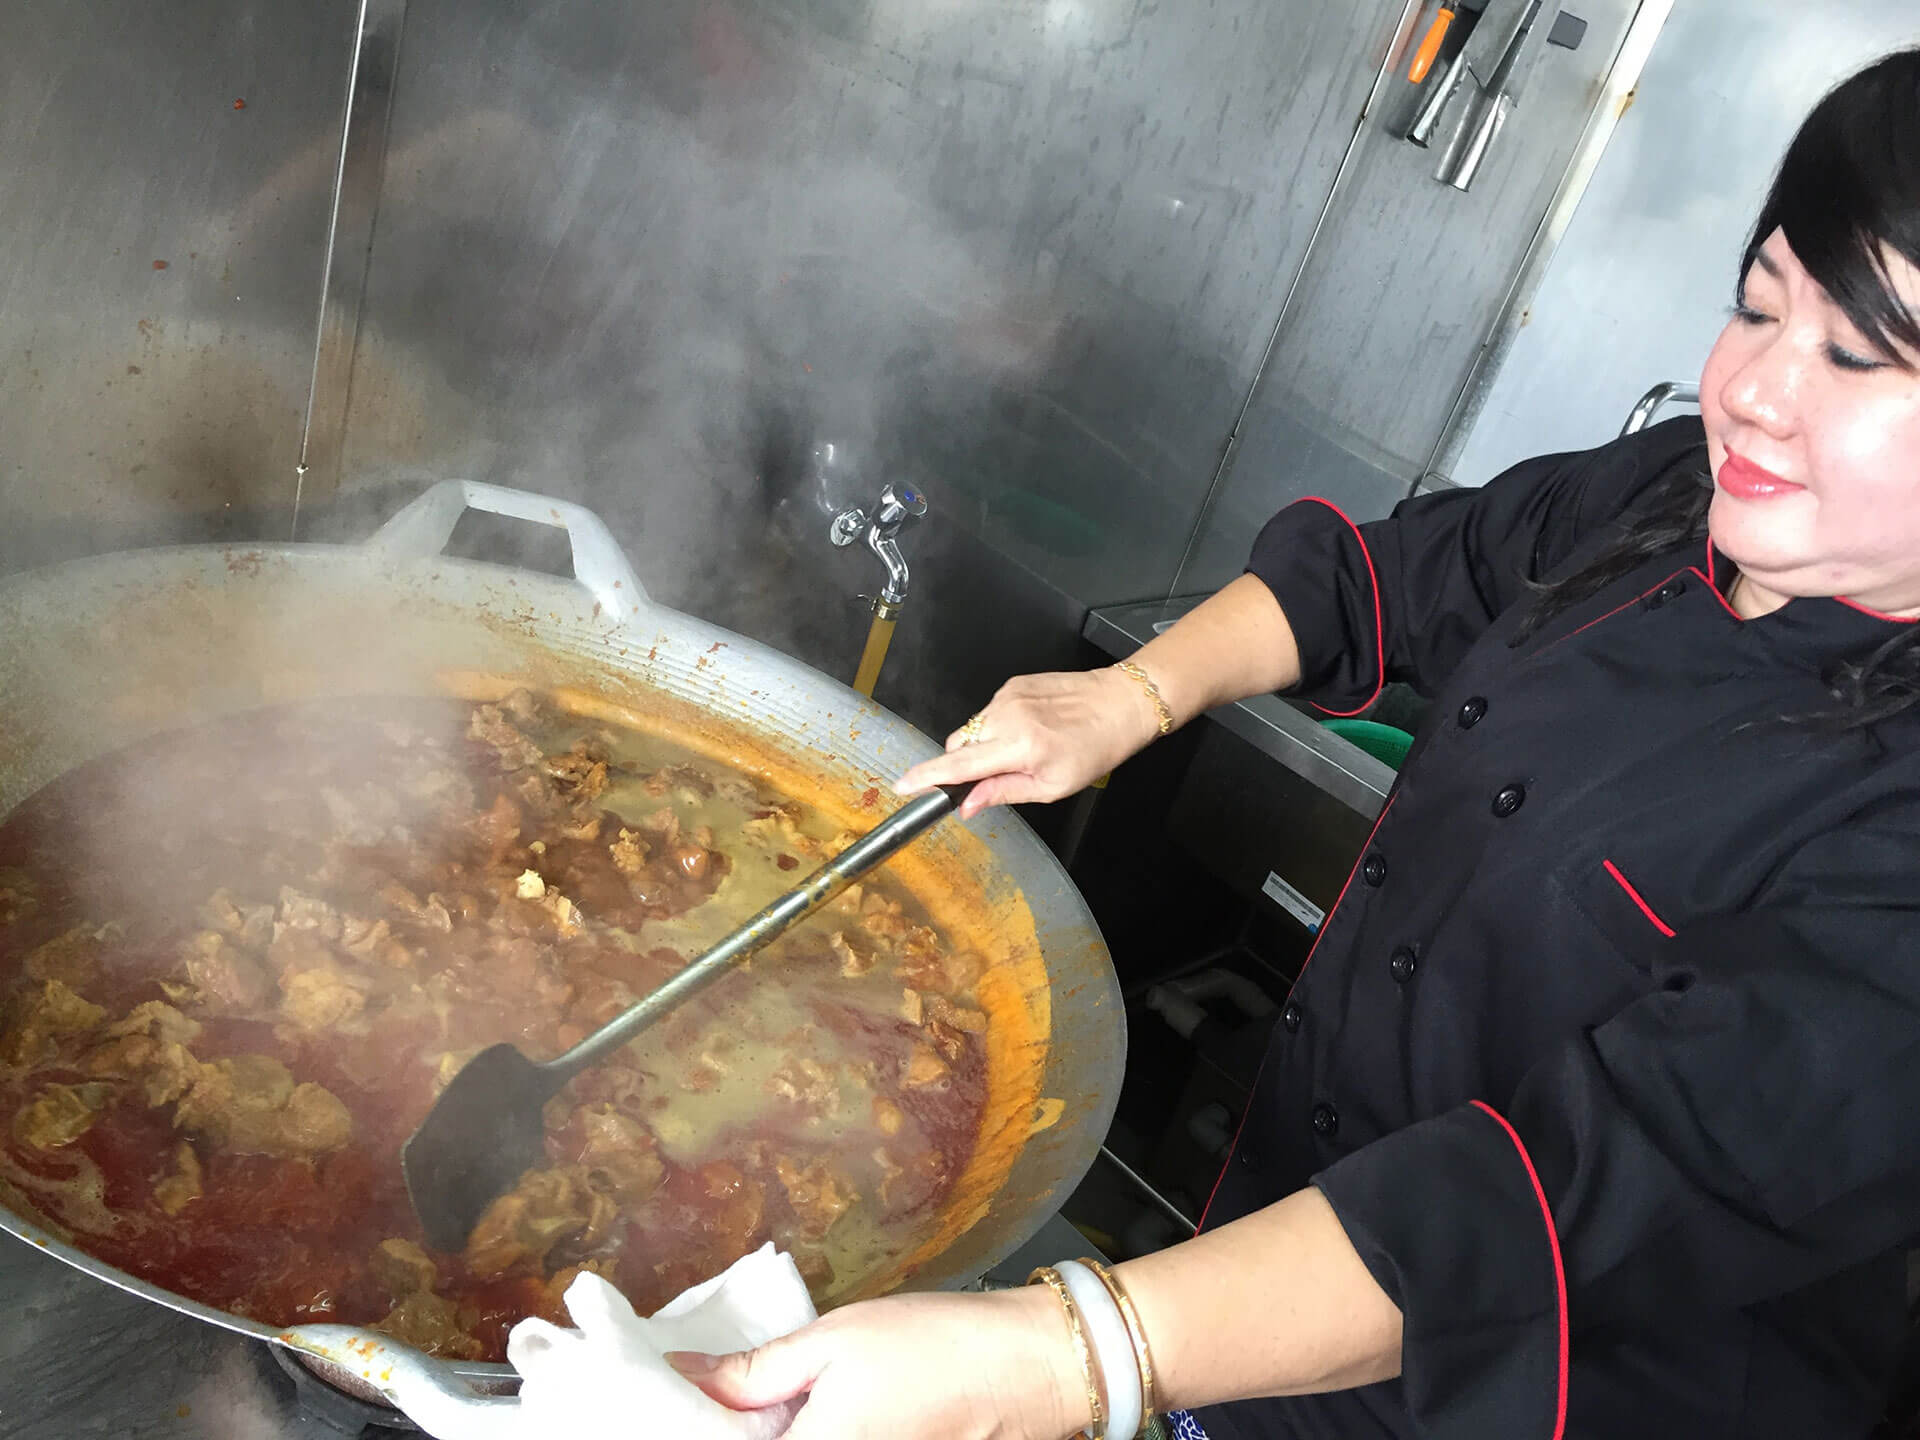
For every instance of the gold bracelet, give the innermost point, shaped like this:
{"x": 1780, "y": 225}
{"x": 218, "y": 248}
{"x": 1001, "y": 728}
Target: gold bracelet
{"x": 1096, "y": 1406}
{"x": 1133, "y": 671}
{"x": 1135, "y": 1332}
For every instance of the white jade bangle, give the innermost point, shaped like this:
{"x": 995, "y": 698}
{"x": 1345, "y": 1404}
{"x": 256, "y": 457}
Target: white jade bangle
{"x": 1112, "y": 1349}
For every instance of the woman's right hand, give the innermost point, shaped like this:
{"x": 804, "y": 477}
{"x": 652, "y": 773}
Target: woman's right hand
{"x": 1043, "y": 737}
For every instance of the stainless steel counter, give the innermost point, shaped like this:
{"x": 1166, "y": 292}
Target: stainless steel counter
{"x": 1278, "y": 728}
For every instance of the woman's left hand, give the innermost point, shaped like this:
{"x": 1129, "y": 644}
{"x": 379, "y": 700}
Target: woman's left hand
{"x": 999, "y": 1366}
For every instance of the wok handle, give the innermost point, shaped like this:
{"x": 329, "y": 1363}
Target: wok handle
{"x": 425, "y": 1388}
{"x": 425, "y": 525}
{"x": 867, "y": 853}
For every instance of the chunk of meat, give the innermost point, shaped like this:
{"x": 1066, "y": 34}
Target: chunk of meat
{"x": 924, "y": 1067}
{"x": 293, "y": 951}
{"x": 372, "y": 942}
{"x": 550, "y": 915}
{"x": 158, "y": 1020}
{"x": 496, "y": 828}
{"x": 855, "y": 961}
{"x": 322, "y": 999}
{"x": 40, "y": 1017}
{"x": 951, "y": 1043}
{"x": 522, "y": 1227}
{"x": 529, "y": 886}
{"x": 404, "y": 905}
{"x": 150, "y": 1046}
{"x": 224, "y": 974}
{"x": 884, "y": 919}
{"x": 912, "y": 1008}
{"x": 585, "y": 828}
{"x": 664, "y": 823}
{"x": 403, "y": 1268}
{"x": 581, "y": 772}
{"x": 807, "y": 1083}
{"x": 313, "y": 1122}
{"x": 620, "y": 1155}
{"x": 524, "y": 706}
{"x": 60, "y": 1114}
{"x": 173, "y": 1193}
{"x": 629, "y": 852}
{"x": 305, "y": 912}
{"x": 431, "y": 1323}
{"x": 693, "y": 861}
{"x": 779, "y": 829}
{"x": 250, "y": 1104}
{"x": 736, "y": 1219}
{"x": 72, "y": 958}
{"x": 512, "y": 750}
{"x": 250, "y": 926}
{"x": 818, "y": 1193}
{"x": 943, "y": 1011}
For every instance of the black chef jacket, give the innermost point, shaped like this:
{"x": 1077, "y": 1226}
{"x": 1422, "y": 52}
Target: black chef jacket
{"x": 1608, "y": 1057}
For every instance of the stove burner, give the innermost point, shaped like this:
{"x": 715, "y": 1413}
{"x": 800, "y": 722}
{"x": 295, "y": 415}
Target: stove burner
{"x": 348, "y": 1415}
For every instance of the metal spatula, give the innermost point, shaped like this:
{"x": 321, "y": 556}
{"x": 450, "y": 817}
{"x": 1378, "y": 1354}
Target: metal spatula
{"x": 487, "y": 1129}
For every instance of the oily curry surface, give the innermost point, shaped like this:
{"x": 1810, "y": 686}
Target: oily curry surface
{"x": 238, "y": 962}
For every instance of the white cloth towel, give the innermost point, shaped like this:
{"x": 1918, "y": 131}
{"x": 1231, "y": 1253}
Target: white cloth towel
{"x": 609, "y": 1377}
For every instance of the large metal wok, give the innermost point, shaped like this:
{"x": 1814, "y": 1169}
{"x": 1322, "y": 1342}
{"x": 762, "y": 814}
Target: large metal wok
{"x": 100, "y": 653}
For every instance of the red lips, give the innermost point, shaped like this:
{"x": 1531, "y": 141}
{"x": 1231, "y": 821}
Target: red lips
{"x": 1744, "y": 480}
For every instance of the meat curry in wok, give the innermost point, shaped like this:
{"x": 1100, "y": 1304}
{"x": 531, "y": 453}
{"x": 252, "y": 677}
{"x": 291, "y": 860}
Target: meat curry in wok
{"x": 237, "y": 962}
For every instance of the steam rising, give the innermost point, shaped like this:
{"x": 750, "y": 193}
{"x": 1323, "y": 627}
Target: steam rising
{"x": 687, "y": 326}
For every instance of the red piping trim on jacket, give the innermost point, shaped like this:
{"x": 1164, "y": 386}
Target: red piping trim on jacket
{"x": 1638, "y": 899}
{"x": 1234, "y": 1148}
{"x": 1876, "y": 614}
{"x": 1714, "y": 590}
{"x": 1608, "y": 616}
{"x": 1559, "y": 1265}
{"x": 1379, "y": 627}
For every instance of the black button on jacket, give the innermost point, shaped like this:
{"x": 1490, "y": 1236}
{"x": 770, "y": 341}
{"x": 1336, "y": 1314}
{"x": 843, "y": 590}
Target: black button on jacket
{"x": 1638, "y": 1152}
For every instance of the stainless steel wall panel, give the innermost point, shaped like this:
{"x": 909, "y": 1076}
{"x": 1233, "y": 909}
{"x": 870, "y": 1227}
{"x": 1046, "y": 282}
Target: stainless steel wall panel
{"x": 1026, "y": 256}
{"x": 1398, "y": 298}
{"x": 163, "y": 208}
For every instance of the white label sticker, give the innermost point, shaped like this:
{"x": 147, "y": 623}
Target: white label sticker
{"x": 1293, "y": 902}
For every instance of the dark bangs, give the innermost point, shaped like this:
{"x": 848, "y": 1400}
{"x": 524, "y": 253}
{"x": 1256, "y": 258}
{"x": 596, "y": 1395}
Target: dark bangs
{"x": 1850, "y": 185}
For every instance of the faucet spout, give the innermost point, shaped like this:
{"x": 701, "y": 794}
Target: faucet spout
{"x": 898, "y": 506}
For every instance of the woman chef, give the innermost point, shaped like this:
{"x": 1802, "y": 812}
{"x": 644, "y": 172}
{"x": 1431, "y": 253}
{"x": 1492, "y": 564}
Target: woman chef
{"x": 1597, "y": 1109}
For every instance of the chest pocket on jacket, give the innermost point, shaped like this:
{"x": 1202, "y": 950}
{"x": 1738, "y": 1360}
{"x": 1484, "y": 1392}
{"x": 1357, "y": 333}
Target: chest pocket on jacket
{"x": 1607, "y": 894}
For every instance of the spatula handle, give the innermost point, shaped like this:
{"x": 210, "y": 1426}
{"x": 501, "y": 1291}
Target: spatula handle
{"x": 865, "y": 854}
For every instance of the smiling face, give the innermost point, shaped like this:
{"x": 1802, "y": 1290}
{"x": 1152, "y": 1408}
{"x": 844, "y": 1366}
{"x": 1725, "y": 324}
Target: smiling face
{"x": 1814, "y": 437}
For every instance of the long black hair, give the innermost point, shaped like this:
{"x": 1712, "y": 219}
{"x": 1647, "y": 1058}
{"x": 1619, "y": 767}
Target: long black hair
{"x": 1847, "y": 192}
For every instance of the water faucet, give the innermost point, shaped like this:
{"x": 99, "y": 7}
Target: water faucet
{"x": 898, "y": 506}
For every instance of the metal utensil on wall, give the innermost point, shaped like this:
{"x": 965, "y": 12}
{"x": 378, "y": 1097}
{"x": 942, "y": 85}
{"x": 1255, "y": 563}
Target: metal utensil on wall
{"x": 1490, "y": 114}
{"x": 1441, "y": 75}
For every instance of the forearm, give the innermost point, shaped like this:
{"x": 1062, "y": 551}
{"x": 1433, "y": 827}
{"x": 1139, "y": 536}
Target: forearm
{"x": 1277, "y": 1303}
{"x": 1235, "y": 644}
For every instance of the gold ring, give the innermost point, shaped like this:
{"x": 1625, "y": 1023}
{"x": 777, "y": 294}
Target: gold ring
{"x": 970, "y": 732}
